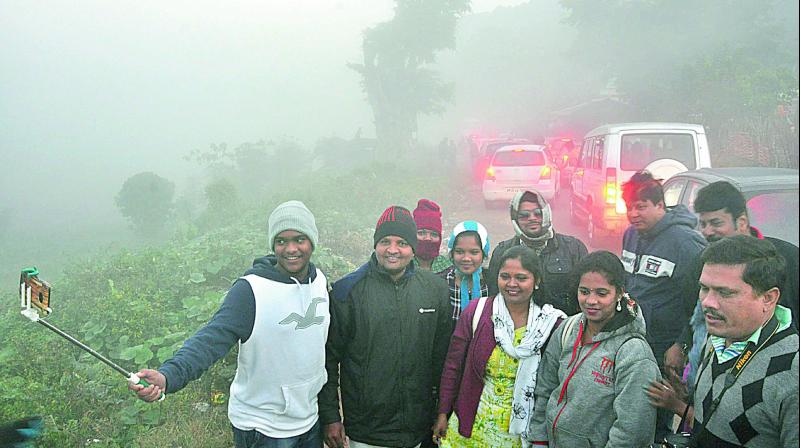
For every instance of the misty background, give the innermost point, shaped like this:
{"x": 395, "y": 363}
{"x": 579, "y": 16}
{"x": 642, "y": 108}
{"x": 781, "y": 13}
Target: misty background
{"x": 94, "y": 92}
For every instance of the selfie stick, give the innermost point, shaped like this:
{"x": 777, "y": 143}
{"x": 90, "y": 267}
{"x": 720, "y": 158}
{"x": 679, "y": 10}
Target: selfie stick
{"x": 33, "y": 315}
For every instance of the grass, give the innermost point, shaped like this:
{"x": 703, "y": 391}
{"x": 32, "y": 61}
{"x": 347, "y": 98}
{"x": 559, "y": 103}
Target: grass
{"x": 141, "y": 298}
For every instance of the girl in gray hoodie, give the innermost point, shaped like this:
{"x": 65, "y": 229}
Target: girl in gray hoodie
{"x": 590, "y": 380}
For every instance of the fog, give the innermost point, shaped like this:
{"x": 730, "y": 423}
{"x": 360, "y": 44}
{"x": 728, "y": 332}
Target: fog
{"x": 95, "y": 91}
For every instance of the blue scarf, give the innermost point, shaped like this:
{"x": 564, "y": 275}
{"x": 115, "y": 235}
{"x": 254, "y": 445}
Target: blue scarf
{"x": 466, "y": 297}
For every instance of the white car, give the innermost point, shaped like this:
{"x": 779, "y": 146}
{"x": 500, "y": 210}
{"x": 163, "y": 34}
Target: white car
{"x": 611, "y": 154}
{"x": 517, "y": 168}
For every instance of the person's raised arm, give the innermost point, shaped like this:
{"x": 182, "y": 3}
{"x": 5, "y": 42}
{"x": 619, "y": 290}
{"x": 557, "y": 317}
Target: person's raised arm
{"x": 233, "y": 322}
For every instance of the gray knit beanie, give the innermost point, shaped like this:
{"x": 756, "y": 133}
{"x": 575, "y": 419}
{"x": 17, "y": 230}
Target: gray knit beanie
{"x": 292, "y": 215}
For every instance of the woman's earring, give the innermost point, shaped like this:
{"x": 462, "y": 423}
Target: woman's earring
{"x": 619, "y": 305}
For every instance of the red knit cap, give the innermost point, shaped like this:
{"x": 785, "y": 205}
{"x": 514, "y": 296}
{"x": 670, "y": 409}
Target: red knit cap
{"x": 396, "y": 221}
{"x": 428, "y": 216}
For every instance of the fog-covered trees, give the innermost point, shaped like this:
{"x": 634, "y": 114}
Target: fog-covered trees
{"x": 222, "y": 200}
{"x": 396, "y": 73}
{"x": 729, "y": 66}
{"x": 254, "y": 168}
{"x": 146, "y": 201}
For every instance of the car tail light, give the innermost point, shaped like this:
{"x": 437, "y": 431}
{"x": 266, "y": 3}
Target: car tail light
{"x": 490, "y": 173}
{"x": 545, "y": 172}
{"x": 610, "y": 190}
{"x": 612, "y": 193}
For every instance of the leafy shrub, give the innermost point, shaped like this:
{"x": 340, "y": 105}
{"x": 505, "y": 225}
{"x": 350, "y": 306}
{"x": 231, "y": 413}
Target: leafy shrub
{"x": 137, "y": 307}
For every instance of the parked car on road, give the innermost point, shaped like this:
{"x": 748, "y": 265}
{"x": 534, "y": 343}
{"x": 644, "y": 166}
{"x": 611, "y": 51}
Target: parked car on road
{"x": 611, "y": 154}
{"x": 771, "y": 193}
{"x": 517, "y": 168}
{"x": 487, "y": 150}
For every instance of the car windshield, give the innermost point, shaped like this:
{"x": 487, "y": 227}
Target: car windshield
{"x": 518, "y": 158}
{"x": 768, "y": 213}
{"x": 639, "y": 150}
{"x": 492, "y": 148}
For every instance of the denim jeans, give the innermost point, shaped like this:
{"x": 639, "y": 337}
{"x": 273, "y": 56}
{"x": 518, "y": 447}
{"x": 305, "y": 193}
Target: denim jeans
{"x": 254, "y": 439}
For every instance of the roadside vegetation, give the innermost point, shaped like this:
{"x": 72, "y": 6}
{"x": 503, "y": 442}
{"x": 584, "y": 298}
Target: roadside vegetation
{"x": 137, "y": 306}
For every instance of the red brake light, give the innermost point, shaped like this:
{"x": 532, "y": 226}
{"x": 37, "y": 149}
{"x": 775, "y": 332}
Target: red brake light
{"x": 490, "y": 173}
{"x": 545, "y": 172}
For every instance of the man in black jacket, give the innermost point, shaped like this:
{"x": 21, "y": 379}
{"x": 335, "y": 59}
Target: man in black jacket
{"x": 390, "y": 329}
{"x": 533, "y": 225}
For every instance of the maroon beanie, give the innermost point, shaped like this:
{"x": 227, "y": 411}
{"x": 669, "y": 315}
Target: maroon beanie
{"x": 428, "y": 216}
{"x": 396, "y": 221}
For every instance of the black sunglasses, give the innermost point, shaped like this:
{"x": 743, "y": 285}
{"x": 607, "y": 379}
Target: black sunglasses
{"x": 525, "y": 214}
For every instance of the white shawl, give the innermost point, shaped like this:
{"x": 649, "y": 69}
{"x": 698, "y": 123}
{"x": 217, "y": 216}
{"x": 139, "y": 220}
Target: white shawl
{"x": 541, "y": 321}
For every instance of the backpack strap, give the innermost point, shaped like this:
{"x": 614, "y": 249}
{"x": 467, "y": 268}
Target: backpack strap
{"x": 636, "y": 336}
{"x": 568, "y": 326}
{"x": 626, "y": 340}
{"x": 477, "y": 316}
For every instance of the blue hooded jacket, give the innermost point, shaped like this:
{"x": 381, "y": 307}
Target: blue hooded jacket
{"x": 660, "y": 265}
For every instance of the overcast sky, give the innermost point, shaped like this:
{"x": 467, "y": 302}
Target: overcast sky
{"x": 93, "y": 91}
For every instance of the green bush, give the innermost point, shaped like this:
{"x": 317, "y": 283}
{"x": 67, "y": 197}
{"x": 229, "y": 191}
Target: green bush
{"x": 137, "y": 307}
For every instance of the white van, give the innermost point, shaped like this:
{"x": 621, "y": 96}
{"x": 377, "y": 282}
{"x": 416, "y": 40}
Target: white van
{"x": 611, "y": 154}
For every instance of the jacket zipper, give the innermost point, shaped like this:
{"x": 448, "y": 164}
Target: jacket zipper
{"x": 402, "y": 344}
{"x": 563, "y": 395}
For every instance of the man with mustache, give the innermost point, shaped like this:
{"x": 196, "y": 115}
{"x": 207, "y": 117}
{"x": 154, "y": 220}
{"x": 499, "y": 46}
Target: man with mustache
{"x": 659, "y": 252}
{"x": 722, "y": 210}
{"x": 532, "y": 220}
{"x": 390, "y": 329}
{"x": 747, "y": 388}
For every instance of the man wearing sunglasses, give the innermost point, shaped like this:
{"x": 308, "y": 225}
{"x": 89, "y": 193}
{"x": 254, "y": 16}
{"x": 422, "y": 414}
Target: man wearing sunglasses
{"x": 532, "y": 221}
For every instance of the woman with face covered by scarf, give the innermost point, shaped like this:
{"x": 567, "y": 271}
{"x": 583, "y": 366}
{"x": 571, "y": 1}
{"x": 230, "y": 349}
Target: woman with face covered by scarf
{"x": 428, "y": 217}
{"x": 469, "y": 246}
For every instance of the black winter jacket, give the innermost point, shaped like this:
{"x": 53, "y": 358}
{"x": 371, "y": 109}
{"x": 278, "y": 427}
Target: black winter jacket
{"x": 388, "y": 340}
{"x": 559, "y": 258}
{"x": 789, "y": 293}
